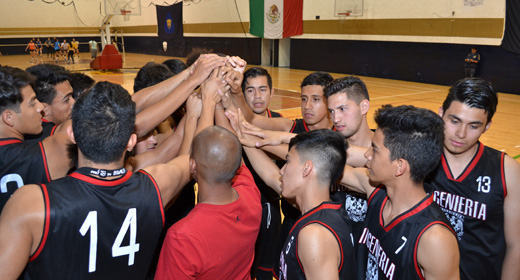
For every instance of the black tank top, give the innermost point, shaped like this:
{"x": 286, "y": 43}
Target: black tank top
{"x": 98, "y": 228}
{"x": 474, "y": 205}
{"x": 332, "y": 216}
{"x": 390, "y": 252}
{"x": 48, "y": 129}
{"x": 21, "y": 163}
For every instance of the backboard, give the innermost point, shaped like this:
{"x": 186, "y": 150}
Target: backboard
{"x": 123, "y": 7}
{"x": 344, "y": 8}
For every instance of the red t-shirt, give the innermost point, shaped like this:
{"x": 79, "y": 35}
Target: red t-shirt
{"x": 215, "y": 241}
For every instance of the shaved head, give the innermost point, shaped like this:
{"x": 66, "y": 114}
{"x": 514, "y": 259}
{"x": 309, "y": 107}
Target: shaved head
{"x": 217, "y": 154}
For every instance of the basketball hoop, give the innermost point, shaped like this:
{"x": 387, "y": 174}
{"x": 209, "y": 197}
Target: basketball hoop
{"x": 343, "y": 16}
{"x": 126, "y": 15}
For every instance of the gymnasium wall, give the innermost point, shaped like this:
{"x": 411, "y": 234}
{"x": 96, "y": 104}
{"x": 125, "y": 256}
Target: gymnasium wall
{"x": 423, "y": 41}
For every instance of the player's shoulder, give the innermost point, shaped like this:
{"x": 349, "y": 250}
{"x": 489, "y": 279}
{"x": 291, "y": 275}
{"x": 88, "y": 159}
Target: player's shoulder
{"x": 438, "y": 239}
{"x": 316, "y": 237}
{"x": 26, "y": 200}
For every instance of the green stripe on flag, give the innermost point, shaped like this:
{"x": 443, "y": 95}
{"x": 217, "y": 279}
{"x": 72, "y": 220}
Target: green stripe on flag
{"x": 256, "y": 17}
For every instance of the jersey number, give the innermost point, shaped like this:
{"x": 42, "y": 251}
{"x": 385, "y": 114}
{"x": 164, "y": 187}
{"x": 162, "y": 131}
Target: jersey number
{"x": 130, "y": 222}
{"x": 402, "y": 245}
{"x": 484, "y": 184}
{"x": 10, "y": 178}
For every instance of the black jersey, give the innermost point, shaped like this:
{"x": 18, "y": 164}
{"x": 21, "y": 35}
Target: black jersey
{"x": 290, "y": 213}
{"x": 390, "y": 252}
{"x": 356, "y": 207}
{"x": 299, "y": 126}
{"x": 268, "y": 195}
{"x": 332, "y": 216}
{"x": 266, "y": 255}
{"x": 98, "y": 228}
{"x": 273, "y": 114}
{"x": 474, "y": 205}
{"x": 48, "y": 129}
{"x": 21, "y": 163}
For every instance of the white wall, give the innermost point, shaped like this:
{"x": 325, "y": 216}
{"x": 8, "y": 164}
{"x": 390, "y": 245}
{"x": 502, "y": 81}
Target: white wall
{"x": 90, "y": 13}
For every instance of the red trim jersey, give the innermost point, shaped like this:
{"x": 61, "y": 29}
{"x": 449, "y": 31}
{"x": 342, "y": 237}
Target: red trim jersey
{"x": 48, "y": 129}
{"x": 390, "y": 252}
{"x": 21, "y": 163}
{"x": 474, "y": 204}
{"x": 98, "y": 228}
{"x": 273, "y": 114}
{"x": 333, "y": 217}
{"x": 291, "y": 214}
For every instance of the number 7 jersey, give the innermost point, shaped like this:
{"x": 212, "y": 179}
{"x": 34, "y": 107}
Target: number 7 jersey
{"x": 98, "y": 228}
{"x": 474, "y": 205}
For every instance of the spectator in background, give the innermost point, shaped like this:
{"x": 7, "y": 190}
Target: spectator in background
{"x": 49, "y": 45}
{"x": 471, "y": 63}
{"x": 93, "y": 48}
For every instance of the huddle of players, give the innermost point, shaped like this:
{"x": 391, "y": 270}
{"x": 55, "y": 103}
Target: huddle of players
{"x": 416, "y": 161}
{"x": 404, "y": 235}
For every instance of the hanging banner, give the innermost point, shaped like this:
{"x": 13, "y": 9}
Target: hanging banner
{"x": 169, "y": 21}
{"x": 275, "y": 19}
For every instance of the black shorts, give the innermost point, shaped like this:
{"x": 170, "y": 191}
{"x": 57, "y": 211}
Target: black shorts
{"x": 266, "y": 247}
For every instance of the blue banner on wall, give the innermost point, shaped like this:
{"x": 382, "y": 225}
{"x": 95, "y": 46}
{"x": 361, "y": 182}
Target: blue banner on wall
{"x": 169, "y": 21}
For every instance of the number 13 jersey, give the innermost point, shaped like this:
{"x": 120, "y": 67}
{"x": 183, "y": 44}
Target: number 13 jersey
{"x": 98, "y": 228}
{"x": 474, "y": 205}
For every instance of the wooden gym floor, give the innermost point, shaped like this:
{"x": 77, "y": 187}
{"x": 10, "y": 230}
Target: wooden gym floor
{"x": 504, "y": 133}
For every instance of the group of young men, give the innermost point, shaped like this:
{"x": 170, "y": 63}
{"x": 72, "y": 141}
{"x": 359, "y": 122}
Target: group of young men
{"x": 54, "y": 49}
{"x": 418, "y": 197}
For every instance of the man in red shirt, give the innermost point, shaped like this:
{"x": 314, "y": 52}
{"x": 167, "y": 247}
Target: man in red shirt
{"x": 216, "y": 240}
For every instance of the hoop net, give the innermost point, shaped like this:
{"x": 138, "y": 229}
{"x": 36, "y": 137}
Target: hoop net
{"x": 126, "y": 15}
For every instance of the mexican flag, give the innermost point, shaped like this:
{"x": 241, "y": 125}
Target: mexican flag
{"x": 275, "y": 19}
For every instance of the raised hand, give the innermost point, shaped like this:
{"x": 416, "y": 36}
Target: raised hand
{"x": 265, "y": 137}
{"x": 226, "y": 101}
{"x": 209, "y": 88}
{"x": 203, "y": 67}
{"x": 235, "y": 119}
{"x": 233, "y": 79}
{"x": 194, "y": 105}
{"x": 237, "y": 63}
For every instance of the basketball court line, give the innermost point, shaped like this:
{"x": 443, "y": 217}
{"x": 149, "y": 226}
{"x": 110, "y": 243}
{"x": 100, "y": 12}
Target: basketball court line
{"x": 404, "y": 94}
{"x": 392, "y": 85}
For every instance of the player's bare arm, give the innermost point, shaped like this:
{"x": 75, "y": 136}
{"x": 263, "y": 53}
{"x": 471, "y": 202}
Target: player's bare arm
{"x": 21, "y": 230}
{"x": 357, "y": 179}
{"x": 151, "y": 95}
{"x": 158, "y": 112}
{"x": 319, "y": 252}
{"x": 165, "y": 151}
{"x": 210, "y": 98}
{"x": 510, "y": 267}
{"x": 171, "y": 177}
{"x": 193, "y": 111}
{"x": 438, "y": 254}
